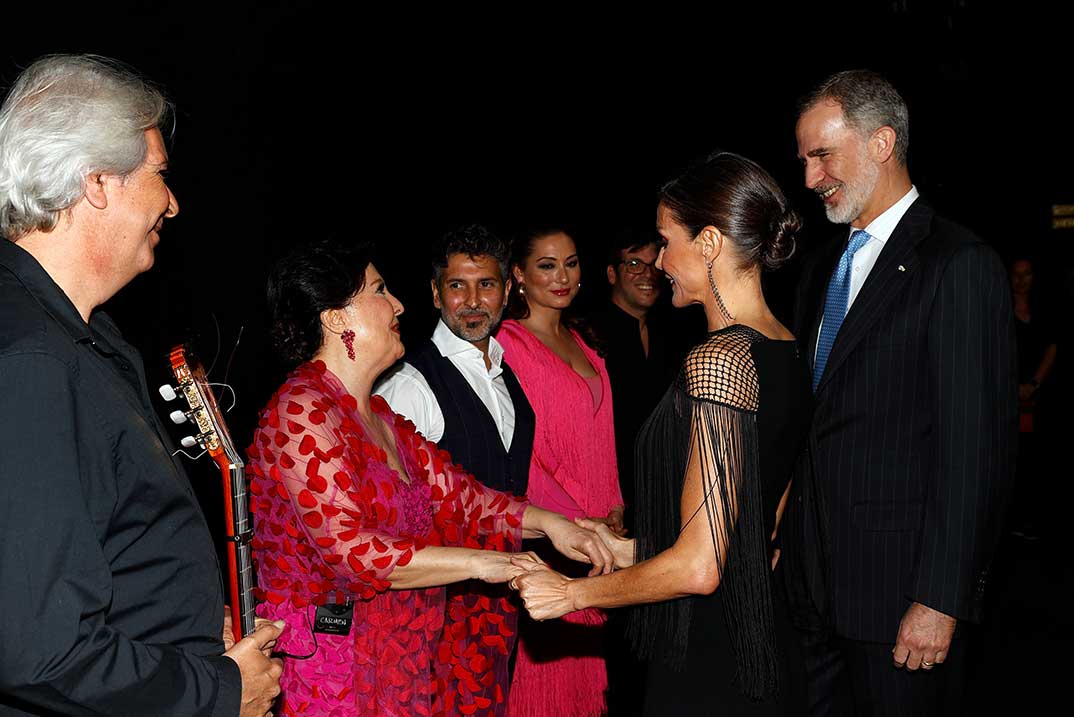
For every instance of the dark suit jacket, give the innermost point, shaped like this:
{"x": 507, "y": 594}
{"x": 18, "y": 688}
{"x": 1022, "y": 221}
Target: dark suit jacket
{"x": 901, "y": 489}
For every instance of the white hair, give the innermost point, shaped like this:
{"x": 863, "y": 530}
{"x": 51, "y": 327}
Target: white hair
{"x": 66, "y": 117}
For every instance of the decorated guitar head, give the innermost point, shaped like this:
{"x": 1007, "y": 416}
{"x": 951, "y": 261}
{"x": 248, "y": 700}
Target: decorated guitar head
{"x": 204, "y": 413}
{"x": 213, "y": 436}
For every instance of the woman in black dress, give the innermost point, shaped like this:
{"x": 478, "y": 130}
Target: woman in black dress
{"x": 713, "y": 465}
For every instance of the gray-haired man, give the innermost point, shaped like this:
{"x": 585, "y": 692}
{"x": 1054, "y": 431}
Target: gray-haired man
{"x": 112, "y": 602}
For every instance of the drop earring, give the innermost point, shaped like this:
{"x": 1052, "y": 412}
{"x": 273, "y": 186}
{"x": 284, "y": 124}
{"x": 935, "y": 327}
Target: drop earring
{"x": 347, "y": 337}
{"x": 716, "y": 293}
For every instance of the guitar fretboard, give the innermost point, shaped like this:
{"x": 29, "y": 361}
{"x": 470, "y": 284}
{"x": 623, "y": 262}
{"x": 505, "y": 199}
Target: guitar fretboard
{"x": 243, "y": 559}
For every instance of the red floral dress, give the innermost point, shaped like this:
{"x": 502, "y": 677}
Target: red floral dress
{"x": 332, "y": 520}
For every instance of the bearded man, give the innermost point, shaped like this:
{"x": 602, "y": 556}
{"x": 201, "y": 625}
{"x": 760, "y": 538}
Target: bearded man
{"x": 460, "y": 394}
{"x": 456, "y": 388}
{"x": 906, "y": 319}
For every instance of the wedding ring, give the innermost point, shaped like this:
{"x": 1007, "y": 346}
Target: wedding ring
{"x": 927, "y": 664}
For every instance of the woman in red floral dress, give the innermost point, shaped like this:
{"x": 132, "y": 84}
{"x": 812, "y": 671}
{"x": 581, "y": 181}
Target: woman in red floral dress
{"x": 354, "y": 508}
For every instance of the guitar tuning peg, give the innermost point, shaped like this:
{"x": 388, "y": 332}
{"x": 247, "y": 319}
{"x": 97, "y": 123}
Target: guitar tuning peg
{"x": 177, "y": 417}
{"x": 188, "y": 442}
{"x": 167, "y": 392}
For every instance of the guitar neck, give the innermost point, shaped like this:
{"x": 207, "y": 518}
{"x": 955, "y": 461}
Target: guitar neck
{"x": 213, "y": 436}
{"x": 240, "y": 560}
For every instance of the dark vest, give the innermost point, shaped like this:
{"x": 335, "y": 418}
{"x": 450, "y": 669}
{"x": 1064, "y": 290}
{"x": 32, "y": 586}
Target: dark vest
{"x": 470, "y": 433}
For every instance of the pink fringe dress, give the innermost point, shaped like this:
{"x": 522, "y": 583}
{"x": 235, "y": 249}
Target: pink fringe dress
{"x": 560, "y": 668}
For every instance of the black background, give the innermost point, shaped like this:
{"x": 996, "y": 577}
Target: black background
{"x": 395, "y": 125}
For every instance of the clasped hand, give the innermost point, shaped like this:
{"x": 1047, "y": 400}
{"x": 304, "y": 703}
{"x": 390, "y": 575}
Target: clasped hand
{"x": 621, "y": 549}
{"x": 580, "y": 542}
{"x": 495, "y": 567}
{"x": 545, "y": 593}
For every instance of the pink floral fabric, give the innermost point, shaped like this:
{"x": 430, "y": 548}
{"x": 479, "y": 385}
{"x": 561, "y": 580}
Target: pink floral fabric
{"x": 332, "y": 521}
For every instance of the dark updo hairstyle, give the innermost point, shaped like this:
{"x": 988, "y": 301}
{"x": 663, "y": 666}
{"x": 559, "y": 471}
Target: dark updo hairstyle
{"x": 735, "y": 195}
{"x": 314, "y": 277}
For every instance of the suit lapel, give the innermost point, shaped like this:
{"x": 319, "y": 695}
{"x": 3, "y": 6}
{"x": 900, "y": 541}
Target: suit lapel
{"x": 884, "y": 282}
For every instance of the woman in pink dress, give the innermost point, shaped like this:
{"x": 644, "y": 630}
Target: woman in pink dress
{"x": 560, "y": 667}
{"x": 360, "y": 520}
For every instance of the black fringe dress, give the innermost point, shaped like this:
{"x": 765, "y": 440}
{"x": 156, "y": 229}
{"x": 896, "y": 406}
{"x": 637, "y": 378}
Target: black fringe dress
{"x": 740, "y": 406}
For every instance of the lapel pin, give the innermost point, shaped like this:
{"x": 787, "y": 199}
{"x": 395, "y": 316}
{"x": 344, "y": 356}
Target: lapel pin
{"x": 902, "y": 268}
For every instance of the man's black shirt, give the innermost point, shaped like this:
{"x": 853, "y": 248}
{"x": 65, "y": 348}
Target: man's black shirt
{"x": 112, "y": 601}
{"x": 638, "y": 380}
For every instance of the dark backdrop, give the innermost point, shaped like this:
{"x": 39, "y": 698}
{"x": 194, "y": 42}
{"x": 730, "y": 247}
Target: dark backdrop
{"x": 296, "y": 122}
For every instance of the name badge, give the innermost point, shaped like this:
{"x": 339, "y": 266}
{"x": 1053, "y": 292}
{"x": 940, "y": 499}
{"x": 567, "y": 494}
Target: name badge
{"x": 333, "y": 619}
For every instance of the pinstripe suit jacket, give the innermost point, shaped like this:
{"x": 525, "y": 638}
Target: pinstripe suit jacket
{"x": 910, "y": 454}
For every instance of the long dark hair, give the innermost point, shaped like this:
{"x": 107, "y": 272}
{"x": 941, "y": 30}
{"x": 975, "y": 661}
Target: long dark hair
{"x": 314, "y": 277}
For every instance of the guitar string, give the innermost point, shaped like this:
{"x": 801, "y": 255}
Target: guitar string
{"x": 234, "y": 401}
{"x": 193, "y": 458}
{"x": 234, "y": 396}
{"x": 231, "y": 358}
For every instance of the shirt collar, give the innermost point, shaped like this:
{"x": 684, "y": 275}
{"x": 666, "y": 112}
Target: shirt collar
{"x": 882, "y": 227}
{"x": 29, "y": 272}
{"x": 450, "y": 345}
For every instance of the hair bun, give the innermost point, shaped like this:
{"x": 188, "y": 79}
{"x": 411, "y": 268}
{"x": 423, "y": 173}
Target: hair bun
{"x": 780, "y": 247}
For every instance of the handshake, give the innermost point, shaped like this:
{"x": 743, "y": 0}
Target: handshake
{"x": 546, "y": 593}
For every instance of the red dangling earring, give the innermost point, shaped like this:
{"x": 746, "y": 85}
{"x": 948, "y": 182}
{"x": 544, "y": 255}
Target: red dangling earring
{"x": 347, "y": 337}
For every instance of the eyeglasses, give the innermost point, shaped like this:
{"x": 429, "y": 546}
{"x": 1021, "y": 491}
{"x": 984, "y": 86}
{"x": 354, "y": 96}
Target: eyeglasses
{"x": 634, "y": 265}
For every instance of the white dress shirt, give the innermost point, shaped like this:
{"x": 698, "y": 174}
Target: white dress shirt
{"x": 879, "y": 230}
{"x": 409, "y": 394}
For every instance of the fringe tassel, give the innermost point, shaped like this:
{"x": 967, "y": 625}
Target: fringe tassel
{"x": 713, "y": 403}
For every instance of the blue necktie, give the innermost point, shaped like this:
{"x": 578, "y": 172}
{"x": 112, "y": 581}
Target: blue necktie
{"x": 835, "y": 305}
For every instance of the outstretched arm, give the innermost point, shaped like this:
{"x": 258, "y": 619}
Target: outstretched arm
{"x": 575, "y": 541}
{"x": 331, "y": 498}
{"x": 691, "y": 566}
{"x": 503, "y": 519}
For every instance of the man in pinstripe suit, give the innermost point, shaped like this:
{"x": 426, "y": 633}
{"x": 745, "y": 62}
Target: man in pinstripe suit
{"x": 907, "y": 320}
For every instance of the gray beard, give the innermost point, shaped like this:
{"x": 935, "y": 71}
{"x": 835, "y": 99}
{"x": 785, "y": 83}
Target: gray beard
{"x": 855, "y": 195}
{"x": 477, "y": 334}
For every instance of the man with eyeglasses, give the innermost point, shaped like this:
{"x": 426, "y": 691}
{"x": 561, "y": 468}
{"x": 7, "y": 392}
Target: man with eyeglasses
{"x": 642, "y": 351}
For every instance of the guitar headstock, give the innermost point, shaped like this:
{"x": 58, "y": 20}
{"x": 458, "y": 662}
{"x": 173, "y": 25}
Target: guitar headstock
{"x": 203, "y": 413}
{"x": 212, "y": 435}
